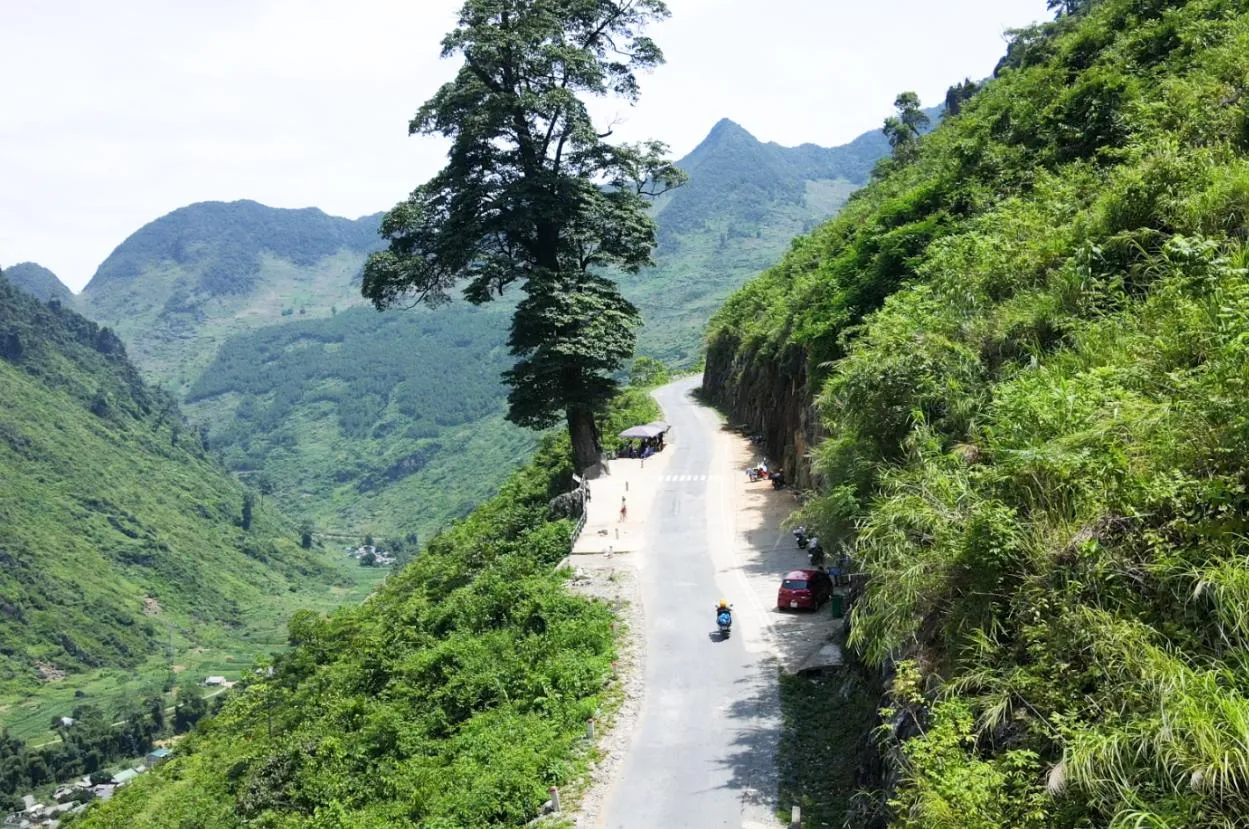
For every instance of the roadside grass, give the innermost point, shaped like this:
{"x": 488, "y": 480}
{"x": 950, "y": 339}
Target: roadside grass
{"x": 611, "y": 700}
{"x": 826, "y": 720}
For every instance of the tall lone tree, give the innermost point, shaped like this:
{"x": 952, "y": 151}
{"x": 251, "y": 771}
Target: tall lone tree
{"x": 903, "y": 129}
{"x": 534, "y": 195}
{"x": 1062, "y": 8}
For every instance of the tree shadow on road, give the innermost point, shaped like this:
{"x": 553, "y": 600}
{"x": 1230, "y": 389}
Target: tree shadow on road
{"x": 755, "y": 717}
{"x": 802, "y": 741}
{"x": 826, "y": 747}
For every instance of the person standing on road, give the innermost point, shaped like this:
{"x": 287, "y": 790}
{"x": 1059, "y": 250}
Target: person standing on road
{"x": 624, "y": 510}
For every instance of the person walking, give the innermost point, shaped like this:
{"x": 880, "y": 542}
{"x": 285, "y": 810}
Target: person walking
{"x": 624, "y": 510}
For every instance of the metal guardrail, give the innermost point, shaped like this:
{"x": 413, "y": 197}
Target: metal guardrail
{"x": 576, "y": 531}
{"x": 585, "y": 510}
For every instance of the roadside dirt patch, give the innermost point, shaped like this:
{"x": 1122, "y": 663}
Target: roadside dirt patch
{"x": 765, "y": 551}
{"x": 628, "y": 481}
{"x": 151, "y": 607}
{"x": 49, "y": 673}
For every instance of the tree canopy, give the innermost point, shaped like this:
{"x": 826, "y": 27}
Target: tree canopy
{"x": 533, "y": 193}
{"x": 903, "y": 129}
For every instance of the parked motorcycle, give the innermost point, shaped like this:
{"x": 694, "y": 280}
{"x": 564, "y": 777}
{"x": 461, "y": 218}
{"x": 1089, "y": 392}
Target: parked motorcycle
{"x": 724, "y": 620}
{"x": 816, "y": 552}
{"x": 800, "y": 536}
{"x": 778, "y": 480}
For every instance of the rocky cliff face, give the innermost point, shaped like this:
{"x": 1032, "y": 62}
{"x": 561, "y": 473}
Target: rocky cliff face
{"x": 772, "y": 394}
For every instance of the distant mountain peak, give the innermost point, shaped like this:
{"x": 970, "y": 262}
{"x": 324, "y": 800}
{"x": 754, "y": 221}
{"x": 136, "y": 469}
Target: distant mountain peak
{"x": 726, "y": 133}
{"x": 727, "y": 126}
{"x": 220, "y": 243}
{"x": 37, "y": 280}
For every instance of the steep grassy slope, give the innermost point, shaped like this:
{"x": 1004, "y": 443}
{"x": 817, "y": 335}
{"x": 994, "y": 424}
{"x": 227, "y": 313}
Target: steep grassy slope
{"x": 1028, "y": 353}
{"x": 117, "y": 536}
{"x": 452, "y": 698}
{"x": 39, "y": 282}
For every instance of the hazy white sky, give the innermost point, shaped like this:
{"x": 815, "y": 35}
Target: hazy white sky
{"x": 112, "y": 114}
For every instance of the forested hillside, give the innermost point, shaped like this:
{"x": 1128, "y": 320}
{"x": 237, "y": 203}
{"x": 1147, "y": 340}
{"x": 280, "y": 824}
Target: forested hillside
{"x": 743, "y": 204}
{"x": 181, "y": 285}
{"x": 252, "y": 314}
{"x": 248, "y": 313}
{"x": 119, "y": 539}
{"x": 1023, "y": 353}
{"x": 452, "y": 698}
{"x": 367, "y": 422}
{"x": 39, "y": 282}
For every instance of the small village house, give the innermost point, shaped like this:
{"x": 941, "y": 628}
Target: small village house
{"x": 157, "y": 756}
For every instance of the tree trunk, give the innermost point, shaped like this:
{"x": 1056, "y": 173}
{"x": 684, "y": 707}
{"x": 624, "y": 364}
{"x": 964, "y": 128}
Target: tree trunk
{"x": 585, "y": 445}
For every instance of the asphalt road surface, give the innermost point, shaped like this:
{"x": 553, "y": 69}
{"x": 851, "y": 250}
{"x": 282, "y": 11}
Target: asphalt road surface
{"x": 703, "y": 752}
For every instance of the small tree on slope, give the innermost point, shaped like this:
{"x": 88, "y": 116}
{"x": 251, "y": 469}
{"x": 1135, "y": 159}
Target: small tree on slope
{"x": 533, "y": 194}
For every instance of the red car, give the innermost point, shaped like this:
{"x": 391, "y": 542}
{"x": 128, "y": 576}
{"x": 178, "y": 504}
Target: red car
{"x": 804, "y": 588}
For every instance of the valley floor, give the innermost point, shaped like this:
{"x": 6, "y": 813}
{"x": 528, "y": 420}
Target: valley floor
{"x": 27, "y": 715}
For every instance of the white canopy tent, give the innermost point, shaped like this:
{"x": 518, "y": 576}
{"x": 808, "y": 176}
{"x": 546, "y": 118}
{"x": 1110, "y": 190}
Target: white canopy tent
{"x": 648, "y": 431}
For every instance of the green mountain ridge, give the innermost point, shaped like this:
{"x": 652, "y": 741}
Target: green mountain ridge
{"x": 119, "y": 538}
{"x": 743, "y": 205}
{"x": 252, "y": 315}
{"x": 39, "y": 282}
{"x": 223, "y": 240}
{"x": 734, "y": 177}
{"x": 180, "y": 286}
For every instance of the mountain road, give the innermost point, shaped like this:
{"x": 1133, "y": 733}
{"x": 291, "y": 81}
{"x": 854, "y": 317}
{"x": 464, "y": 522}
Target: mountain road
{"x": 703, "y": 750}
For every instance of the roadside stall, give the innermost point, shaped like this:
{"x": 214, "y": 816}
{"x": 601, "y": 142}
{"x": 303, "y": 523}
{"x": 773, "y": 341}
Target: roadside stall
{"x": 649, "y": 440}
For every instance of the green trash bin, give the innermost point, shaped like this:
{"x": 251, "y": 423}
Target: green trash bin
{"x": 837, "y": 603}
